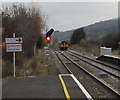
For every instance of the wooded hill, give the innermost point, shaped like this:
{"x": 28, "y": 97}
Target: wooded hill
{"x": 97, "y": 29}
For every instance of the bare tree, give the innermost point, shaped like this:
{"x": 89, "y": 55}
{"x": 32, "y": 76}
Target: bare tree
{"x": 26, "y": 22}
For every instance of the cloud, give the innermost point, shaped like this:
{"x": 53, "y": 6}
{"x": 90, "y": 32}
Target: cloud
{"x": 70, "y": 15}
{"x": 65, "y": 16}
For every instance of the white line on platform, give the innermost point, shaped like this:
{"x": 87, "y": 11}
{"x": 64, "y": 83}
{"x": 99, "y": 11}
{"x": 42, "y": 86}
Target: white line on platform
{"x": 81, "y": 87}
{"x": 65, "y": 74}
{"x": 89, "y": 97}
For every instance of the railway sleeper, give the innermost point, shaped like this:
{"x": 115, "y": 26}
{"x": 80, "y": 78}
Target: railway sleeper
{"x": 76, "y": 59}
{"x": 68, "y": 62}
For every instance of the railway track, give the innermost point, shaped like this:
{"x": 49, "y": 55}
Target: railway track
{"x": 99, "y": 62}
{"x": 114, "y": 71}
{"x": 73, "y": 68}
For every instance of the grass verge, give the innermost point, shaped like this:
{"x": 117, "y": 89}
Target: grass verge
{"x": 34, "y": 66}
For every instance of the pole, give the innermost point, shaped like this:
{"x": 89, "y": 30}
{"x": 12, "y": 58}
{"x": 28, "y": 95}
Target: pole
{"x": 49, "y": 54}
{"x": 48, "y": 45}
{"x": 14, "y": 59}
{"x": 118, "y": 49}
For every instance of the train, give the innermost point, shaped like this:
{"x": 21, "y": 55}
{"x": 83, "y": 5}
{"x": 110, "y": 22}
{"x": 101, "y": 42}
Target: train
{"x": 63, "y": 45}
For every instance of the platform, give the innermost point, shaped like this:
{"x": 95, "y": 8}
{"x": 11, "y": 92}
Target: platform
{"x": 63, "y": 86}
{"x": 110, "y": 59}
{"x": 73, "y": 88}
{"x": 33, "y": 87}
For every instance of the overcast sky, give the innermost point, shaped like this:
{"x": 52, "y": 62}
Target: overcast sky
{"x": 66, "y": 16}
{"x": 70, "y": 15}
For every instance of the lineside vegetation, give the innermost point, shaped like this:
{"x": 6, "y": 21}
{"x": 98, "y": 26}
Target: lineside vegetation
{"x": 27, "y": 22}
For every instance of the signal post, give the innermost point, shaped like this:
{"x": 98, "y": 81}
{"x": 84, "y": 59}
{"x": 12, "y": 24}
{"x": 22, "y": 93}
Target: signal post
{"x": 48, "y": 36}
{"x": 48, "y": 39}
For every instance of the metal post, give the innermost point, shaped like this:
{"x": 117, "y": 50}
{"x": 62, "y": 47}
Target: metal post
{"x": 14, "y": 59}
{"x": 49, "y": 54}
{"x": 48, "y": 45}
{"x": 118, "y": 49}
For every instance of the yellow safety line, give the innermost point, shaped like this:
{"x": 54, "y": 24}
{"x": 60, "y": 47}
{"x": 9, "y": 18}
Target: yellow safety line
{"x": 64, "y": 88}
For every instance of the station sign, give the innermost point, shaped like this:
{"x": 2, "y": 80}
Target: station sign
{"x": 13, "y": 40}
{"x": 13, "y": 47}
{"x": 13, "y": 44}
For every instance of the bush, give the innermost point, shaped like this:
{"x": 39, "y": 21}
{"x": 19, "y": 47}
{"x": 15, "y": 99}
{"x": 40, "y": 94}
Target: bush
{"x": 111, "y": 40}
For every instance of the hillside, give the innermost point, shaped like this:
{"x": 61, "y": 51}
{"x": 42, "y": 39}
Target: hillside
{"x": 63, "y": 35}
{"x": 99, "y": 28}
{"x": 102, "y": 27}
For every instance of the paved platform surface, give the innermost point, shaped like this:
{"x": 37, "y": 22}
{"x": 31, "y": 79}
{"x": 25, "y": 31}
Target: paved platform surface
{"x": 42, "y": 87}
{"x": 72, "y": 87}
{"x": 33, "y": 87}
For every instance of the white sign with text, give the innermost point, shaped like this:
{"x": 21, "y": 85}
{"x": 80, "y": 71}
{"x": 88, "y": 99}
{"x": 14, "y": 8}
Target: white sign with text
{"x": 13, "y": 44}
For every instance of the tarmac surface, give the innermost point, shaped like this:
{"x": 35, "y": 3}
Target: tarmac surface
{"x": 32, "y": 87}
{"x": 73, "y": 88}
{"x": 61, "y": 87}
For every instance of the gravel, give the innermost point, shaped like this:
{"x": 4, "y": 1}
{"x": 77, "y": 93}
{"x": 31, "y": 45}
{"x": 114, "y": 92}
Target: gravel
{"x": 112, "y": 81}
{"x": 95, "y": 89}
